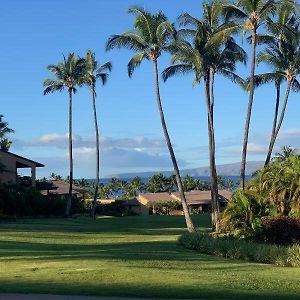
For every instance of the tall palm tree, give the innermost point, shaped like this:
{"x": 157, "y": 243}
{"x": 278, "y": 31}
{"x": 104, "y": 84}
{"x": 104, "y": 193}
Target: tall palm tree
{"x": 149, "y": 38}
{"x": 92, "y": 73}
{"x": 212, "y": 51}
{"x": 68, "y": 75}
{"x": 283, "y": 55}
{"x": 253, "y": 14}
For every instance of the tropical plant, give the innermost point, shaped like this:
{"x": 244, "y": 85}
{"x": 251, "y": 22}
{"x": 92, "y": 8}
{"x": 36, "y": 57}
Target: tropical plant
{"x": 55, "y": 176}
{"x": 212, "y": 51}
{"x": 283, "y": 55}
{"x": 92, "y": 73}
{"x": 252, "y": 15}
{"x": 189, "y": 183}
{"x": 243, "y": 212}
{"x": 4, "y": 129}
{"x": 279, "y": 184}
{"x": 150, "y": 37}
{"x": 68, "y": 75}
{"x": 286, "y": 152}
{"x": 5, "y": 144}
{"x": 157, "y": 183}
{"x": 136, "y": 186}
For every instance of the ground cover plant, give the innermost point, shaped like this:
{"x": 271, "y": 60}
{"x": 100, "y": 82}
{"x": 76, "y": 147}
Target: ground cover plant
{"x": 132, "y": 256}
{"x": 230, "y": 247}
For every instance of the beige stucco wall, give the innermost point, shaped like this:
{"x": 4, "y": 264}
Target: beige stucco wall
{"x": 9, "y": 162}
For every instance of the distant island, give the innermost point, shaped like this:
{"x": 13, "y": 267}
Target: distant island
{"x": 232, "y": 169}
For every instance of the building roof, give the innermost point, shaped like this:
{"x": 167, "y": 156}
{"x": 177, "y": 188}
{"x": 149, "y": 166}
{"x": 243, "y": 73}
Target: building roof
{"x": 152, "y": 197}
{"x": 21, "y": 165}
{"x": 62, "y": 188}
{"x": 130, "y": 203}
{"x": 192, "y": 197}
{"x": 204, "y": 197}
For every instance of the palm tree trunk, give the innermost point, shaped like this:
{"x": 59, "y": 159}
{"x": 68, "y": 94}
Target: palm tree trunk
{"x": 188, "y": 219}
{"x": 212, "y": 94}
{"x": 286, "y": 98}
{"x": 93, "y": 213}
{"x": 249, "y": 111}
{"x": 212, "y": 159}
{"x": 274, "y": 124}
{"x": 69, "y": 201}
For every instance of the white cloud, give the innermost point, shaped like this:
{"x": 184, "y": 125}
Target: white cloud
{"x": 60, "y": 141}
{"x": 118, "y": 155}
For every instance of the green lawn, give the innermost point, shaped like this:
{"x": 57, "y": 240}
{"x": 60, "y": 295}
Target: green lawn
{"x": 133, "y": 256}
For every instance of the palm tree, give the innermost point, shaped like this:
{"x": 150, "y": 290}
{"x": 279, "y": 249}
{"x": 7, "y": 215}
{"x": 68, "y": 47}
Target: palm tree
{"x": 92, "y": 73}
{"x": 4, "y": 129}
{"x": 158, "y": 183}
{"x": 254, "y": 14}
{"x": 286, "y": 152}
{"x": 68, "y": 75}
{"x": 5, "y": 144}
{"x": 278, "y": 183}
{"x": 151, "y": 36}
{"x": 283, "y": 55}
{"x": 212, "y": 51}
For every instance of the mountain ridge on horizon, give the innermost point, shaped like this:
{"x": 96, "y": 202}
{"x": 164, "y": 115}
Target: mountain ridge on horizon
{"x": 231, "y": 169}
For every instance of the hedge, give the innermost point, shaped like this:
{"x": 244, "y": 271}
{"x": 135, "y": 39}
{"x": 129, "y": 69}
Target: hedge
{"x": 229, "y": 247}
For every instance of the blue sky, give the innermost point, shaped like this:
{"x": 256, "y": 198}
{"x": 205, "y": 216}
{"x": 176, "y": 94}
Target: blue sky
{"x": 35, "y": 33}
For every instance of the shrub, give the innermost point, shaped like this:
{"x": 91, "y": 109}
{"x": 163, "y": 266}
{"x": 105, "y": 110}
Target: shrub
{"x": 243, "y": 212}
{"x": 19, "y": 201}
{"x": 281, "y": 230}
{"x": 230, "y": 247}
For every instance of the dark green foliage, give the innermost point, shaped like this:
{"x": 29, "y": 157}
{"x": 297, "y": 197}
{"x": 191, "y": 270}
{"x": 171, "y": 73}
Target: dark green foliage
{"x": 230, "y": 247}
{"x": 115, "y": 209}
{"x": 165, "y": 207}
{"x": 281, "y": 230}
{"x": 19, "y": 201}
{"x": 6, "y": 219}
{"x": 242, "y": 214}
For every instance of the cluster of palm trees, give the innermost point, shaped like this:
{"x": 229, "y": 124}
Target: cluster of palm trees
{"x": 205, "y": 47}
{"x": 70, "y": 74}
{"x": 273, "y": 190}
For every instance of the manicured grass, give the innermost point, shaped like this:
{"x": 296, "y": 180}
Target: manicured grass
{"x": 133, "y": 256}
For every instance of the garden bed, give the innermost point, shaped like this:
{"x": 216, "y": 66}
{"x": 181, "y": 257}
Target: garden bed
{"x": 234, "y": 248}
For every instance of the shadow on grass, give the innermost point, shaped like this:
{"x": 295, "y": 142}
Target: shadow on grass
{"x": 144, "y": 291}
{"x": 150, "y": 225}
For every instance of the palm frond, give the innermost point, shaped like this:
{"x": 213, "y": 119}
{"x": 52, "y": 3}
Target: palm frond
{"x": 176, "y": 69}
{"x": 129, "y": 40}
{"x": 135, "y": 62}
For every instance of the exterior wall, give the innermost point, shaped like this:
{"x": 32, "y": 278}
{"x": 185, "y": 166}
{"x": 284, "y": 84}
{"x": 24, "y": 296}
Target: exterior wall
{"x": 10, "y": 173}
{"x": 144, "y": 210}
{"x": 10, "y": 162}
{"x": 142, "y": 200}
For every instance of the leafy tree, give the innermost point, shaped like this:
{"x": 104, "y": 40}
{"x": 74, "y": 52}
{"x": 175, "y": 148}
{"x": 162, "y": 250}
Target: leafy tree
{"x": 150, "y": 37}
{"x": 68, "y": 75}
{"x": 212, "y": 51}
{"x": 92, "y": 73}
